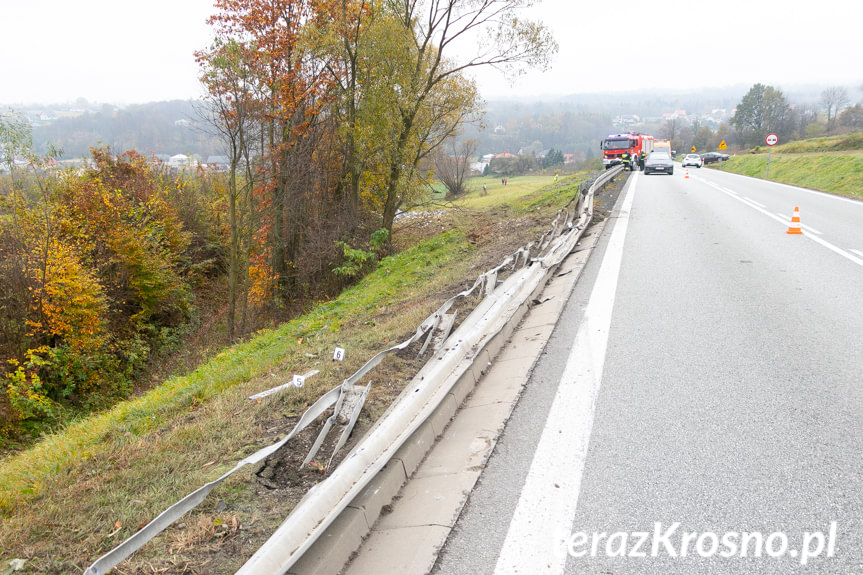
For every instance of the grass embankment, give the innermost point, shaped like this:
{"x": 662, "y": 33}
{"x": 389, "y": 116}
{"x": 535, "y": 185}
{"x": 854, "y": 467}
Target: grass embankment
{"x": 833, "y": 164}
{"x": 80, "y": 492}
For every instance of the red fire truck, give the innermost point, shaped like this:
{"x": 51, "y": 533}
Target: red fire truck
{"x": 614, "y": 146}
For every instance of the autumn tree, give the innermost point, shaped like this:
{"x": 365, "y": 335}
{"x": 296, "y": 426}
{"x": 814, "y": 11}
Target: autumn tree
{"x": 452, "y": 165}
{"x": 433, "y": 95}
{"x": 350, "y": 99}
{"x": 704, "y": 139}
{"x": 852, "y": 117}
{"x": 833, "y": 99}
{"x": 231, "y": 108}
{"x": 670, "y": 130}
{"x": 261, "y": 59}
{"x": 762, "y": 111}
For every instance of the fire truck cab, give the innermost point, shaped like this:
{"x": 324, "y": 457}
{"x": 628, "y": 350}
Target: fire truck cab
{"x": 615, "y": 145}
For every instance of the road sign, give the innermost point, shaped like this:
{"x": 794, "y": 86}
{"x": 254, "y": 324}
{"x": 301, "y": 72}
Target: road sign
{"x": 722, "y": 145}
{"x": 772, "y": 139}
{"x": 693, "y": 149}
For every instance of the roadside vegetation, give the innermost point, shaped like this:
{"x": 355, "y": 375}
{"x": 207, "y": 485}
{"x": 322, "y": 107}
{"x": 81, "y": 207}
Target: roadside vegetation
{"x": 830, "y": 164}
{"x": 331, "y": 115}
{"x": 81, "y": 491}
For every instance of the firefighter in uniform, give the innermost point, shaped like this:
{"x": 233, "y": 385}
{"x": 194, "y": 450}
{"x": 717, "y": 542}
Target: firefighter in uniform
{"x": 641, "y": 159}
{"x": 627, "y": 161}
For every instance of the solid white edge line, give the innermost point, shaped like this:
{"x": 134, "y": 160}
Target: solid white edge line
{"x": 806, "y": 233}
{"x": 858, "y": 252}
{"x": 545, "y": 510}
{"x": 854, "y": 201}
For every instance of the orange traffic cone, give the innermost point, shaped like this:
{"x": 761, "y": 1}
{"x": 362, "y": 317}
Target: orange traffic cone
{"x": 794, "y": 228}
{"x": 687, "y": 175}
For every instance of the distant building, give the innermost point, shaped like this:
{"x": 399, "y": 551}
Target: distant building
{"x": 179, "y": 161}
{"x": 478, "y": 168}
{"x": 627, "y": 120}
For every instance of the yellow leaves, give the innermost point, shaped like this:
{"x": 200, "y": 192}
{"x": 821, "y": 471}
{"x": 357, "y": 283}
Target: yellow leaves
{"x": 69, "y": 299}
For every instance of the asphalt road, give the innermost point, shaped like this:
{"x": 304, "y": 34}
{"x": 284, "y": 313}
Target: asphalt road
{"x": 701, "y": 395}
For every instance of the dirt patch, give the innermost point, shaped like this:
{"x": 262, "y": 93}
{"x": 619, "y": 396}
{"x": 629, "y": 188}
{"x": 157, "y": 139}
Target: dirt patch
{"x": 605, "y": 199}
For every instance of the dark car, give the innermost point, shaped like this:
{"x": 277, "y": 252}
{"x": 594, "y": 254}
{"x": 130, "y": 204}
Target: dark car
{"x": 658, "y": 162}
{"x": 711, "y": 157}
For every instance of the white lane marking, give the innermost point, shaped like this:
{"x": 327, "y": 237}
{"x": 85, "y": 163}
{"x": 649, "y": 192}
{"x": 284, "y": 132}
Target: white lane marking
{"x": 546, "y": 508}
{"x": 760, "y": 205}
{"x": 858, "y": 252}
{"x": 783, "y": 221}
{"x": 854, "y": 201}
{"x": 802, "y": 225}
{"x": 823, "y": 194}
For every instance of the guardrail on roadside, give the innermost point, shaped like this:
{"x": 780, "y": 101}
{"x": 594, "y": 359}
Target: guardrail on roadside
{"x": 433, "y": 382}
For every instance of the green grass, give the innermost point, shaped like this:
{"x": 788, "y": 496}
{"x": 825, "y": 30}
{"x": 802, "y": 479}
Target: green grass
{"x": 836, "y": 173}
{"x": 843, "y": 143}
{"x": 79, "y": 492}
{"x": 499, "y": 194}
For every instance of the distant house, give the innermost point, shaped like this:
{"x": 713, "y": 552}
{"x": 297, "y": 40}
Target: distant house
{"x": 179, "y": 161}
{"x": 627, "y": 120}
{"x": 504, "y": 155}
{"x": 674, "y": 115}
{"x": 478, "y": 168}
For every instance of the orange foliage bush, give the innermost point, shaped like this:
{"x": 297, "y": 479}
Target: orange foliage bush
{"x": 97, "y": 269}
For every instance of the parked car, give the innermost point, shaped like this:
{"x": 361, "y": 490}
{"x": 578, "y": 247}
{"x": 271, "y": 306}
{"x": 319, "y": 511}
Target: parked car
{"x": 692, "y": 160}
{"x": 710, "y": 157}
{"x": 658, "y": 162}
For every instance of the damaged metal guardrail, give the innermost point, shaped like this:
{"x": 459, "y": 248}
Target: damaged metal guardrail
{"x": 326, "y": 500}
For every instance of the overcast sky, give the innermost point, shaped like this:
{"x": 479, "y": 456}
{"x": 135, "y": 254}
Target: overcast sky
{"x": 123, "y": 52}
